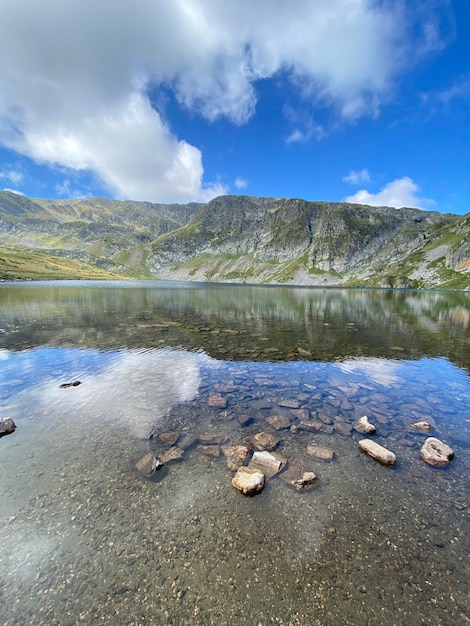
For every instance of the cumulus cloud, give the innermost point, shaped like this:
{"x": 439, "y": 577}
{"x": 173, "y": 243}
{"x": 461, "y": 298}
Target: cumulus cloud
{"x": 78, "y": 78}
{"x": 240, "y": 183}
{"x": 357, "y": 177}
{"x": 401, "y": 192}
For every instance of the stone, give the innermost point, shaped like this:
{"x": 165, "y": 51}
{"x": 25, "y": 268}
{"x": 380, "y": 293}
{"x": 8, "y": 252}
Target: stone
{"x": 311, "y": 427}
{"x": 216, "y": 401}
{"x": 210, "y": 440}
{"x": 343, "y": 428}
{"x": 362, "y": 425}
{"x": 436, "y": 453}
{"x": 7, "y": 426}
{"x": 278, "y": 422}
{"x": 297, "y": 476}
{"x": 67, "y": 385}
{"x": 235, "y": 456}
{"x": 301, "y": 414}
{"x": 142, "y": 431}
{"x": 187, "y": 441}
{"x": 421, "y": 426}
{"x": 245, "y": 420}
{"x": 210, "y": 450}
{"x": 264, "y": 441}
{"x": 168, "y": 439}
{"x": 377, "y": 452}
{"x": 173, "y": 454}
{"x": 289, "y": 403}
{"x": 266, "y": 462}
{"x": 321, "y": 452}
{"x": 148, "y": 465}
{"x": 249, "y": 481}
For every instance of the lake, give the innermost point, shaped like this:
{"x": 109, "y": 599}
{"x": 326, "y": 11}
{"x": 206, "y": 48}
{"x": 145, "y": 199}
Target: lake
{"x": 184, "y": 371}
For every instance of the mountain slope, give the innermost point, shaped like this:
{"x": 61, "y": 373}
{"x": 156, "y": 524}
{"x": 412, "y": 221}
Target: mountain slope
{"x": 241, "y": 238}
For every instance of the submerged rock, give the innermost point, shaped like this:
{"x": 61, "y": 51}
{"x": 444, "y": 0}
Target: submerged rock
{"x": 210, "y": 450}
{"x": 169, "y": 438}
{"x": 235, "y": 456}
{"x": 278, "y": 422}
{"x": 266, "y": 462}
{"x": 210, "y": 440}
{"x": 362, "y": 425}
{"x": 245, "y": 419}
{"x": 148, "y": 465}
{"x": 343, "y": 428}
{"x": 264, "y": 441}
{"x": 249, "y": 481}
{"x": 377, "y": 452}
{"x": 7, "y": 426}
{"x": 173, "y": 454}
{"x": 422, "y": 426}
{"x": 297, "y": 476}
{"x": 435, "y": 452}
{"x": 321, "y": 452}
{"x": 217, "y": 401}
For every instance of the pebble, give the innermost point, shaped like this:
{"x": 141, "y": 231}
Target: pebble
{"x": 264, "y": 441}
{"x": 7, "y": 426}
{"x": 321, "y": 452}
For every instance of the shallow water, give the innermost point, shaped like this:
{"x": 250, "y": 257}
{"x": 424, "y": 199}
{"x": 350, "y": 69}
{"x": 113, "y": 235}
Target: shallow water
{"x": 86, "y": 539}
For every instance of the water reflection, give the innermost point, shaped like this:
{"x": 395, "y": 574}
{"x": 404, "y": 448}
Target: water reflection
{"x": 87, "y": 539}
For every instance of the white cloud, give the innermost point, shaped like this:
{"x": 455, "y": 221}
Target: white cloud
{"x": 76, "y": 77}
{"x": 357, "y": 177}
{"x": 13, "y": 176}
{"x": 398, "y": 193}
{"x": 241, "y": 183}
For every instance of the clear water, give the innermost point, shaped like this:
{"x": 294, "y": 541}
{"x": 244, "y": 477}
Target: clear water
{"x": 86, "y": 539}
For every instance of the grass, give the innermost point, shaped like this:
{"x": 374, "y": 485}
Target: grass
{"x": 22, "y": 264}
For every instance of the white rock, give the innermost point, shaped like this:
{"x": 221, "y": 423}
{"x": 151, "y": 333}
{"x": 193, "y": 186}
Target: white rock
{"x": 377, "y": 452}
{"x": 249, "y": 481}
{"x": 436, "y": 453}
{"x": 266, "y": 463}
{"x": 362, "y": 425}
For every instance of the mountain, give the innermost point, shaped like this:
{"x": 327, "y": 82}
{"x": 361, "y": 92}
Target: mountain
{"x": 240, "y": 239}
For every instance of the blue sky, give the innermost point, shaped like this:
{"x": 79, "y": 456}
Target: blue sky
{"x": 186, "y": 100}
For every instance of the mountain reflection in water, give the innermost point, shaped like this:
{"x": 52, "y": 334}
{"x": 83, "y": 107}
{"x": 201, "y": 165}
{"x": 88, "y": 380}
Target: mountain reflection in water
{"x": 87, "y": 539}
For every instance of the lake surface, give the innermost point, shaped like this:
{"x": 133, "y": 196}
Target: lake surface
{"x": 88, "y": 539}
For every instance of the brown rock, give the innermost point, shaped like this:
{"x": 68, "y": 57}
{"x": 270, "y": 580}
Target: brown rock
{"x": 422, "y": 426}
{"x": 249, "y": 481}
{"x": 311, "y": 427}
{"x": 289, "y": 403}
{"x": 321, "y": 452}
{"x": 436, "y": 453}
{"x": 377, "y": 452}
{"x": 173, "y": 454}
{"x": 168, "y": 439}
{"x": 210, "y": 440}
{"x": 279, "y": 422}
{"x": 210, "y": 450}
{"x": 235, "y": 456}
{"x": 148, "y": 465}
{"x": 301, "y": 414}
{"x": 343, "y": 428}
{"x": 264, "y": 441}
{"x": 216, "y": 401}
{"x": 297, "y": 476}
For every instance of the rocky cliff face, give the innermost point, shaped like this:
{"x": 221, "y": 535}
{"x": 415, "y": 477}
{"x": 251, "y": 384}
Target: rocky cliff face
{"x": 241, "y": 238}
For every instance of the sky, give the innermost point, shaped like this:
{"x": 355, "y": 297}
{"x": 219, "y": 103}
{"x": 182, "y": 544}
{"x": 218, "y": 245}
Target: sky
{"x": 184, "y": 100}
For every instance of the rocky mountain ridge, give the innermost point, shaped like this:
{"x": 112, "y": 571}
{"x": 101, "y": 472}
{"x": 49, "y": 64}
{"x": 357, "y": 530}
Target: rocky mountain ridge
{"x": 243, "y": 239}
